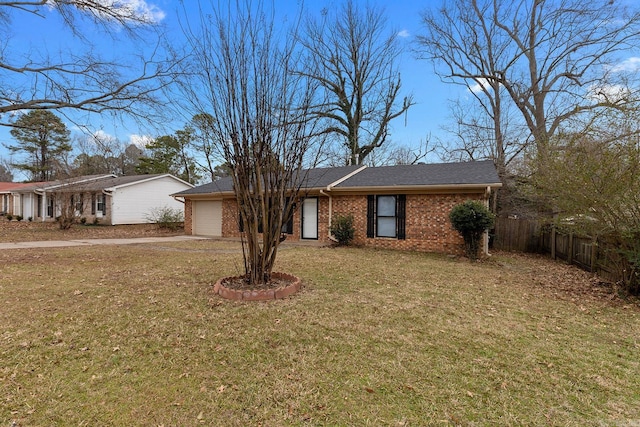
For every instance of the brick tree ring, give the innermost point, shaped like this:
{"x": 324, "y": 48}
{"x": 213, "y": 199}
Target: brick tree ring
{"x": 288, "y": 284}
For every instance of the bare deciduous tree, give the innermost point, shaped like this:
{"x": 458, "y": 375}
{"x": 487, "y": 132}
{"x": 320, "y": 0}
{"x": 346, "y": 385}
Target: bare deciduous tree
{"x": 466, "y": 45}
{"x": 354, "y": 63}
{"x": 6, "y": 174}
{"x": 100, "y": 153}
{"x": 242, "y": 76}
{"x": 545, "y": 58}
{"x": 592, "y": 180}
{"x": 81, "y": 80}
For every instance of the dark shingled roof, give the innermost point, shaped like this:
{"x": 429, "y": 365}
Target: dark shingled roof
{"x": 482, "y": 172}
{"x": 222, "y": 185}
{"x": 322, "y": 177}
{"x": 316, "y": 178}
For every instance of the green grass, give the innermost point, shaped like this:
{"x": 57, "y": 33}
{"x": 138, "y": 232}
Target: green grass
{"x": 131, "y": 335}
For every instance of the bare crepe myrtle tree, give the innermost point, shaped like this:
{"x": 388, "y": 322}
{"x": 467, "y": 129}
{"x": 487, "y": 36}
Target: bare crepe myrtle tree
{"x": 242, "y": 76}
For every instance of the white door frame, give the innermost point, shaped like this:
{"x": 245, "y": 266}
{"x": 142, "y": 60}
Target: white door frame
{"x": 309, "y": 226}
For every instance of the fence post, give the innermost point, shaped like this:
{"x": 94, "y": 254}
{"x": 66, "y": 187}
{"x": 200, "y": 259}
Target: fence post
{"x": 570, "y": 249}
{"x": 553, "y": 242}
{"x": 594, "y": 253}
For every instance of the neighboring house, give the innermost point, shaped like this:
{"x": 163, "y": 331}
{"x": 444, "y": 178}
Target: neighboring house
{"x": 107, "y": 198}
{"x": 7, "y": 199}
{"x": 402, "y": 207}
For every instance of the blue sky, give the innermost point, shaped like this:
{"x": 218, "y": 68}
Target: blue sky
{"x": 36, "y": 35}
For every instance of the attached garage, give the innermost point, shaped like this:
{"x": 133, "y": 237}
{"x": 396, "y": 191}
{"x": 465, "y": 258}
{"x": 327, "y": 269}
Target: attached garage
{"x": 207, "y": 218}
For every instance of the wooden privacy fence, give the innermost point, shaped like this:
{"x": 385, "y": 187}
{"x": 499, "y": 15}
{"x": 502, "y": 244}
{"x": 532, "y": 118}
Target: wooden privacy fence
{"x": 521, "y": 235}
{"x": 518, "y": 235}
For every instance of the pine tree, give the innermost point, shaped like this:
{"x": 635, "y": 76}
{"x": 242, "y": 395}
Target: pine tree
{"x": 44, "y": 138}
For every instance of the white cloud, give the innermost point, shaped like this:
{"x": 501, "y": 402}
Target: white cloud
{"x": 629, "y": 64}
{"x": 481, "y": 85}
{"x": 608, "y": 93}
{"x": 147, "y": 11}
{"x": 103, "y": 136}
{"x": 140, "y": 141}
{"x": 404, "y": 34}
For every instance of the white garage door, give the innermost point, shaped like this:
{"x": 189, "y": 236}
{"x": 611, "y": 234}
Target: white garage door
{"x": 207, "y": 218}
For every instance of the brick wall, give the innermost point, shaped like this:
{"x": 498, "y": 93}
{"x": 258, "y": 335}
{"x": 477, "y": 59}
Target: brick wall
{"x": 188, "y": 216}
{"x": 428, "y": 228}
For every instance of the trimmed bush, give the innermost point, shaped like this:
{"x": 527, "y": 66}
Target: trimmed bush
{"x": 9, "y": 217}
{"x": 471, "y": 219}
{"x": 342, "y": 229}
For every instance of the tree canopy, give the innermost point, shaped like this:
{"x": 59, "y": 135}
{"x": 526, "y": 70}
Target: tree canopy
{"x": 533, "y": 70}
{"x": 353, "y": 56}
{"x": 44, "y": 140}
{"x": 169, "y": 154}
{"x": 41, "y": 77}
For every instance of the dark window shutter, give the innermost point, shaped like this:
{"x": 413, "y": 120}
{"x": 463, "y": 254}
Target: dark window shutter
{"x": 371, "y": 215}
{"x": 289, "y": 225}
{"x": 93, "y": 203}
{"x": 401, "y": 203}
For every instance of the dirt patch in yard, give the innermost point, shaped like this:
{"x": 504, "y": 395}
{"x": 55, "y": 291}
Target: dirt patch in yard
{"x": 24, "y": 231}
{"x": 564, "y": 281}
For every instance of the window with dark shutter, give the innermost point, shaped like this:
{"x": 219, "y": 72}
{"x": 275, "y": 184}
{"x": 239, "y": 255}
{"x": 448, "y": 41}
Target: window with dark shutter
{"x": 401, "y": 207}
{"x": 287, "y": 227}
{"x": 386, "y": 216}
{"x": 371, "y": 215}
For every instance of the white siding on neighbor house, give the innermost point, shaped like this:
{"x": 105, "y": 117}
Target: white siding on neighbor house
{"x": 134, "y": 203}
{"x": 207, "y": 218}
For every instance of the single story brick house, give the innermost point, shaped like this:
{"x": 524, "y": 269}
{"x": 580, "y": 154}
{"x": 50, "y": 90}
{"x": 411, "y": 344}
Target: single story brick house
{"x": 400, "y": 207}
{"x": 108, "y": 198}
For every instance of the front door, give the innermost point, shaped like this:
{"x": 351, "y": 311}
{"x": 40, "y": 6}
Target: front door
{"x": 310, "y": 218}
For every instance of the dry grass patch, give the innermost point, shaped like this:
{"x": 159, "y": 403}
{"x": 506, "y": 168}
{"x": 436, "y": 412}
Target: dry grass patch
{"x": 131, "y": 335}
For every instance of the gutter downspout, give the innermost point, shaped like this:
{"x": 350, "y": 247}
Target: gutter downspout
{"x": 328, "y": 190}
{"x": 333, "y": 239}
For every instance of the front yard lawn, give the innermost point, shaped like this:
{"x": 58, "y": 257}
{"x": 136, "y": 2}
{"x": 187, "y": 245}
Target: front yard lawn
{"x": 132, "y": 335}
{"x": 26, "y": 231}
